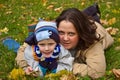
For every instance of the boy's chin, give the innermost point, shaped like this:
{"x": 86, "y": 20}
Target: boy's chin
{"x": 47, "y": 55}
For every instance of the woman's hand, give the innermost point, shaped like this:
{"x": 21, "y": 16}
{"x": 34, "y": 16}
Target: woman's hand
{"x": 116, "y": 72}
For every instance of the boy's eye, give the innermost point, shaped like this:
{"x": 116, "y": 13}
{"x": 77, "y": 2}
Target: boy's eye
{"x": 51, "y": 44}
{"x": 41, "y": 44}
{"x": 46, "y": 44}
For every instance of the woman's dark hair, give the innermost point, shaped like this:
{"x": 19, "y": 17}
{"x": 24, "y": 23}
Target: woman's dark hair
{"x": 84, "y": 25}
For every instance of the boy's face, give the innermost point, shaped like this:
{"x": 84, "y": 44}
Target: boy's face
{"x": 47, "y": 47}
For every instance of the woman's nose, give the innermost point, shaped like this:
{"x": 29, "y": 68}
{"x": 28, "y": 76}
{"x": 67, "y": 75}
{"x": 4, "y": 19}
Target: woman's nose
{"x": 66, "y": 37}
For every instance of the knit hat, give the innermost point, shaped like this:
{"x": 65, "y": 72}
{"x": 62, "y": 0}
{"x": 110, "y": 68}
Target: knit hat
{"x": 45, "y": 30}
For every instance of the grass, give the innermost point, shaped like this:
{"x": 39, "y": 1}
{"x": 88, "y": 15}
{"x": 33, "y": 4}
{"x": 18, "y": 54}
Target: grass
{"x": 15, "y": 15}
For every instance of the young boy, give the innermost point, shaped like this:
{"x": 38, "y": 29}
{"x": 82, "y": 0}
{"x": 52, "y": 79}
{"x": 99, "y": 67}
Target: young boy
{"x": 44, "y": 53}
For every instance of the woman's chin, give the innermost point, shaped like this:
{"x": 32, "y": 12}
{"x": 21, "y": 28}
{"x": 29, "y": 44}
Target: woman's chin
{"x": 67, "y": 47}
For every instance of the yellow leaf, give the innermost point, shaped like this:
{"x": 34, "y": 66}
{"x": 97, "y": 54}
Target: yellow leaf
{"x": 107, "y": 15}
{"x": 50, "y": 7}
{"x": 1, "y": 5}
{"x": 44, "y": 2}
{"x": 23, "y": 7}
{"x": 83, "y": 3}
{"x": 68, "y": 77}
{"x": 111, "y": 21}
{"x": 104, "y": 22}
{"x": 112, "y": 31}
{"x": 108, "y": 4}
{"x": 58, "y": 9}
{"x": 118, "y": 47}
{"x": 15, "y": 74}
{"x": 5, "y": 30}
{"x": 116, "y": 11}
{"x": 118, "y": 39}
{"x": 8, "y": 12}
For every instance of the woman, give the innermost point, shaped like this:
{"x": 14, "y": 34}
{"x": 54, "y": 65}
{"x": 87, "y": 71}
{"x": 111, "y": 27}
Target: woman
{"x": 85, "y": 39}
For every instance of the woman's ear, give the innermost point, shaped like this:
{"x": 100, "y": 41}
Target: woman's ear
{"x": 31, "y": 39}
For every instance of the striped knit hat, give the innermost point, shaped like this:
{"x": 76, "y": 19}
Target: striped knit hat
{"x": 45, "y": 30}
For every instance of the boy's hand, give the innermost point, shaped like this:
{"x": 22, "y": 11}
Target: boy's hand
{"x": 28, "y": 70}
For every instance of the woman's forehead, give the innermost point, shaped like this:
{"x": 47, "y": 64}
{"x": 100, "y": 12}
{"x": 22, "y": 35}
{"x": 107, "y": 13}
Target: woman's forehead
{"x": 67, "y": 27}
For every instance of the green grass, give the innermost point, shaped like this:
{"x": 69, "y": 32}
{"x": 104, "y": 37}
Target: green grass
{"x": 15, "y": 15}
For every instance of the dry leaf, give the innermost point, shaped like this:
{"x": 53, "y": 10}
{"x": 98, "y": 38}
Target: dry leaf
{"x": 44, "y": 2}
{"x": 34, "y": 20}
{"x": 50, "y": 7}
{"x": 112, "y": 31}
{"x": 111, "y": 21}
{"x": 116, "y": 11}
{"x": 22, "y": 17}
{"x": 58, "y": 9}
{"x": 68, "y": 77}
{"x": 8, "y": 12}
{"x": 107, "y": 15}
{"x": 117, "y": 48}
{"x": 118, "y": 39}
{"x": 23, "y": 7}
{"x": 104, "y": 22}
{"x": 108, "y": 4}
{"x": 83, "y": 3}
{"x": 1, "y": 5}
{"x": 5, "y": 30}
{"x": 16, "y": 74}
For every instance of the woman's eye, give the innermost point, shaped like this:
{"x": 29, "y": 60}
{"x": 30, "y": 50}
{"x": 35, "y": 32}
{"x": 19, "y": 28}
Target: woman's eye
{"x": 61, "y": 33}
{"x": 71, "y": 34}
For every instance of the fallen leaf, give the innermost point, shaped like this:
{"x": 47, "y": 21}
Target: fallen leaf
{"x": 1, "y": 5}
{"x": 117, "y": 48}
{"x": 44, "y": 2}
{"x": 118, "y": 39}
{"x": 83, "y": 3}
{"x": 107, "y": 15}
{"x": 58, "y": 9}
{"x": 111, "y": 21}
{"x": 5, "y": 30}
{"x": 15, "y": 74}
{"x": 68, "y": 77}
{"x": 8, "y": 12}
{"x": 116, "y": 11}
{"x": 112, "y": 31}
{"x": 108, "y": 4}
{"x": 104, "y": 22}
{"x": 50, "y": 7}
{"x": 23, "y": 7}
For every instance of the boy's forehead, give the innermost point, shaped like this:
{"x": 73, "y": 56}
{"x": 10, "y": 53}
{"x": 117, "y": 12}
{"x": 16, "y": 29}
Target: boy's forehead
{"x": 47, "y": 41}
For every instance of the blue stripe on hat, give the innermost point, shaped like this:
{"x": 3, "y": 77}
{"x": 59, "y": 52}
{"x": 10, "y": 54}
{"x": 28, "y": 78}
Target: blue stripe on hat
{"x": 46, "y": 28}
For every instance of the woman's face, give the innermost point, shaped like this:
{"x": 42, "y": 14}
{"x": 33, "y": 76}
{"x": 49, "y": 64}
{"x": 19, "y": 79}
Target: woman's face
{"x": 68, "y": 35}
